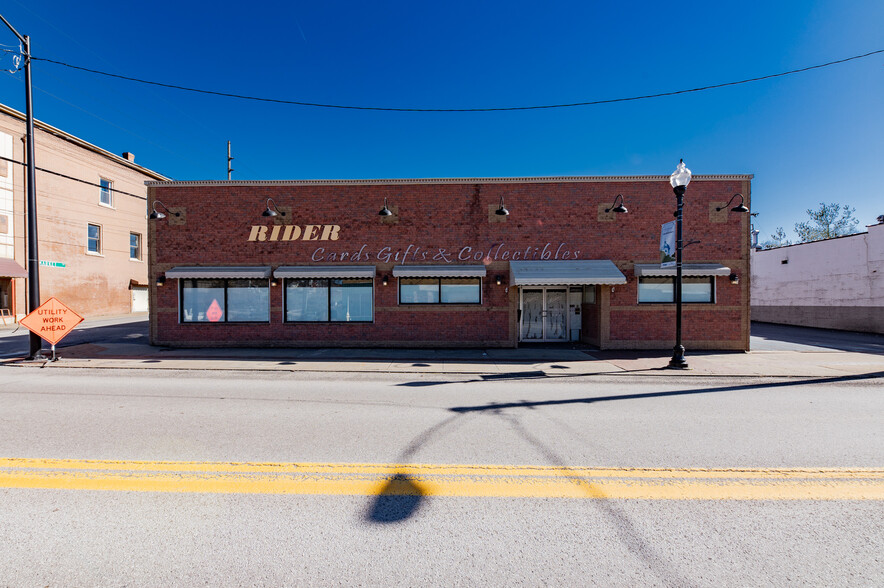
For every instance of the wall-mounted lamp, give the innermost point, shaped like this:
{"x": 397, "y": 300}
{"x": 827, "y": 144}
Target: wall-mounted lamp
{"x": 272, "y": 211}
{"x": 498, "y": 280}
{"x": 385, "y": 212}
{"x": 156, "y": 214}
{"x": 161, "y": 279}
{"x": 738, "y": 208}
{"x": 274, "y": 282}
{"x": 501, "y": 210}
{"x": 618, "y": 208}
{"x": 734, "y": 278}
{"x": 385, "y": 280}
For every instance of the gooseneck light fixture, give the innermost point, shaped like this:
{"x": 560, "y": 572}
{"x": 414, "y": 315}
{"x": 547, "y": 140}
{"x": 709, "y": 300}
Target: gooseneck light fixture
{"x": 738, "y": 208}
{"x": 156, "y": 214}
{"x": 385, "y": 211}
{"x": 618, "y": 208}
{"x": 501, "y": 210}
{"x": 274, "y": 211}
{"x": 679, "y": 181}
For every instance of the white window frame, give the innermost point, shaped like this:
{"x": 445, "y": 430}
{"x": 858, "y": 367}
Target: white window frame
{"x": 100, "y": 251}
{"x": 139, "y": 246}
{"x": 109, "y": 190}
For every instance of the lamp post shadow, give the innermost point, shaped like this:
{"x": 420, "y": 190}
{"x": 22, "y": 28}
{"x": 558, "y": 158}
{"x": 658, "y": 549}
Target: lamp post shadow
{"x": 399, "y": 500}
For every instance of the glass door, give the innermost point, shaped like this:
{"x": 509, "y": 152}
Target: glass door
{"x": 556, "y": 323}
{"x": 544, "y": 314}
{"x": 532, "y": 315}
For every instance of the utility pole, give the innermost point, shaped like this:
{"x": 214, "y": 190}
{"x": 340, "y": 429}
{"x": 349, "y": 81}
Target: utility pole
{"x": 229, "y": 159}
{"x": 36, "y": 343}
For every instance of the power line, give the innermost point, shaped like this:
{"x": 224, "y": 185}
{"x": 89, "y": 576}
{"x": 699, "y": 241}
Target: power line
{"x": 67, "y": 177}
{"x": 497, "y": 109}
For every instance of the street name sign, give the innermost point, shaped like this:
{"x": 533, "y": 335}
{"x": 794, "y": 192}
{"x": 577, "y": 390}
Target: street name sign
{"x": 51, "y": 321}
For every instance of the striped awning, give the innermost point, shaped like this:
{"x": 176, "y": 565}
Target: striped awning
{"x": 439, "y": 271}
{"x": 563, "y": 273}
{"x": 325, "y": 271}
{"x": 687, "y": 269}
{"x": 211, "y": 272}
{"x": 9, "y": 268}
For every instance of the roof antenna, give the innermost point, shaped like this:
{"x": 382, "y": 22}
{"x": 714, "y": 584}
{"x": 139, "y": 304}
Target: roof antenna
{"x": 229, "y": 159}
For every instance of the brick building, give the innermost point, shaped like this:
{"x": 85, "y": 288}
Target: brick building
{"x": 91, "y": 222}
{"x": 445, "y": 268}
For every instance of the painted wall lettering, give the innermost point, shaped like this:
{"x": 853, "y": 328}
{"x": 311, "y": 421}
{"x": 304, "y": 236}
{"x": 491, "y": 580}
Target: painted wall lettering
{"x": 294, "y": 232}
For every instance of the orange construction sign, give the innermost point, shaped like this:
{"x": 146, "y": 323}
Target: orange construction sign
{"x": 51, "y": 321}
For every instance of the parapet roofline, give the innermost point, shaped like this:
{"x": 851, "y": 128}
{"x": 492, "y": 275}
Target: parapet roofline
{"x": 407, "y": 181}
{"x": 47, "y": 128}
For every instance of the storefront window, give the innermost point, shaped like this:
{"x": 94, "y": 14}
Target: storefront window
{"x": 693, "y": 289}
{"x": 198, "y": 296}
{"x": 460, "y": 291}
{"x": 306, "y": 300}
{"x": 418, "y": 290}
{"x": 248, "y": 301}
{"x": 440, "y": 290}
{"x": 351, "y": 300}
{"x": 322, "y": 300}
{"x": 219, "y": 301}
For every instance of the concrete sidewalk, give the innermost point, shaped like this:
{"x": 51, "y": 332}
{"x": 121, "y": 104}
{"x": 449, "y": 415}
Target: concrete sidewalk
{"x": 490, "y": 363}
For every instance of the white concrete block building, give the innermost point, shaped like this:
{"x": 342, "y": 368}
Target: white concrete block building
{"x": 832, "y": 284}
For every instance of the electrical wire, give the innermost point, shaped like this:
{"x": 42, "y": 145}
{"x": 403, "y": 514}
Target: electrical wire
{"x": 496, "y": 109}
{"x": 67, "y": 177}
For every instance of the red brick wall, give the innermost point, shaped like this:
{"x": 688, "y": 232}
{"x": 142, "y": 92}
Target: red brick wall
{"x": 451, "y": 217}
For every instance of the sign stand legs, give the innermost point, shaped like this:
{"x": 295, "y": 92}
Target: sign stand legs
{"x": 53, "y": 353}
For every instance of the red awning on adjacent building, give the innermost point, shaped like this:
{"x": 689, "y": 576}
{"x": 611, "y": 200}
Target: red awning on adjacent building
{"x": 9, "y": 268}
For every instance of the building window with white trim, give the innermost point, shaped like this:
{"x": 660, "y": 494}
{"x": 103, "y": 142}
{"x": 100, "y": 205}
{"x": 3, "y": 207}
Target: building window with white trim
{"x": 105, "y": 193}
{"x": 440, "y": 291}
{"x": 93, "y": 239}
{"x": 134, "y": 246}
{"x": 336, "y": 300}
{"x": 695, "y": 289}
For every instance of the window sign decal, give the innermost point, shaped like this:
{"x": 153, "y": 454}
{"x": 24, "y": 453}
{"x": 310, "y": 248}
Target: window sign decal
{"x": 214, "y": 313}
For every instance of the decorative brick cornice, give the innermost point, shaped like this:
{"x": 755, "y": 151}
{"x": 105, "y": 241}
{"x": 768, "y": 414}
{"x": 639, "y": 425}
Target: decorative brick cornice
{"x": 426, "y": 181}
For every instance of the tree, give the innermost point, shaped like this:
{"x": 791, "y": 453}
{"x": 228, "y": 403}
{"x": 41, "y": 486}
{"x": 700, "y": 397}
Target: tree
{"x": 777, "y": 239}
{"x": 829, "y": 220}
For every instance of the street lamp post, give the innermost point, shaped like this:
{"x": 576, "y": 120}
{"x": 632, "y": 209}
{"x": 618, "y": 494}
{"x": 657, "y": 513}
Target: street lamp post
{"x": 679, "y": 180}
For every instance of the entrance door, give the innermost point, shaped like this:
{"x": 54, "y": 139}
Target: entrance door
{"x": 544, "y": 314}
{"x": 532, "y": 315}
{"x": 556, "y": 324}
{"x": 139, "y": 298}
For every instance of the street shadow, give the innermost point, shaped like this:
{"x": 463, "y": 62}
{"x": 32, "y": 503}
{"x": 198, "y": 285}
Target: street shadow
{"x": 644, "y": 395}
{"x": 422, "y": 384}
{"x": 621, "y": 523}
{"x": 402, "y": 494}
{"x": 514, "y": 376}
{"x": 399, "y": 500}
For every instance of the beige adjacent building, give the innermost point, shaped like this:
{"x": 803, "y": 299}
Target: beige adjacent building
{"x": 830, "y": 284}
{"x": 91, "y": 223}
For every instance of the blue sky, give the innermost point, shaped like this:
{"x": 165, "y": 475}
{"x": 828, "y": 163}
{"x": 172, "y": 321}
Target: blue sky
{"x": 808, "y": 138}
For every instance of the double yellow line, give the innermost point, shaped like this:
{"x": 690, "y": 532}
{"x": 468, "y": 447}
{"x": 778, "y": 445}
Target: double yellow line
{"x": 445, "y": 480}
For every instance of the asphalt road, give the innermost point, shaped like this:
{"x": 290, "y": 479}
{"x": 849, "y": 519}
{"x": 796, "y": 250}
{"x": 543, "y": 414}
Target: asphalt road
{"x": 88, "y": 537}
